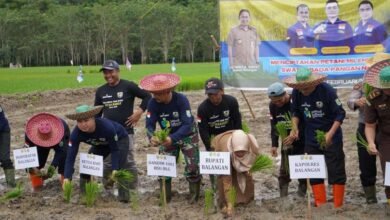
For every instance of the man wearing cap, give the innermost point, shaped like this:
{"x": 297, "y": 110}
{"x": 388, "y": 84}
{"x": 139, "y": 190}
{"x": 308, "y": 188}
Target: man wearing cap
{"x": 368, "y": 31}
{"x": 171, "y": 110}
{"x": 377, "y": 115}
{"x": 217, "y": 114}
{"x": 47, "y": 131}
{"x": 315, "y": 103}
{"x": 5, "y": 147}
{"x": 333, "y": 33}
{"x": 244, "y": 150}
{"x": 118, "y": 96}
{"x": 280, "y": 112}
{"x": 106, "y": 138}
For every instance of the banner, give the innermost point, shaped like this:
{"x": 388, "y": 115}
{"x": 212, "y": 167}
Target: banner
{"x": 264, "y": 41}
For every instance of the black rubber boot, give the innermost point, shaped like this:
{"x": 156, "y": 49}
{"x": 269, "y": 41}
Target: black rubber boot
{"x": 194, "y": 191}
{"x": 370, "y": 193}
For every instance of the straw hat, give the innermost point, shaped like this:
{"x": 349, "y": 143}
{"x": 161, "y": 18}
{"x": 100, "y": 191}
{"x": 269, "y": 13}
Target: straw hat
{"x": 378, "y": 75}
{"x": 159, "y": 82}
{"x": 45, "y": 130}
{"x": 377, "y": 58}
{"x": 304, "y": 78}
{"x": 84, "y": 112}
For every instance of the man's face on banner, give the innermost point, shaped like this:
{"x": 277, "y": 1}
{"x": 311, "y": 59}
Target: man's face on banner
{"x": 365, "y": 11}
{"x": 303, "y": 14}
{"x": 332, "y": 10}
{"x": 244, "y": 18}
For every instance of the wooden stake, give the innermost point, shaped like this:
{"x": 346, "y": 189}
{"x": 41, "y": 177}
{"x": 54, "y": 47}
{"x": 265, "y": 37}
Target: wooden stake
{"x": 247, "y": 102}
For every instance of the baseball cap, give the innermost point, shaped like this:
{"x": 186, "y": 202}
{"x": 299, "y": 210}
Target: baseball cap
{"x": 275, "y": 89}
{"x": 213, "y": 85}
{"x": 109, "y": 65}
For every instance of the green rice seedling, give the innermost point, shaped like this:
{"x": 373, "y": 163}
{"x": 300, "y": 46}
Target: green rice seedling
{"x": 14, "y": 193}
{"x": 282, "y": 129}
{"x": 68, "y": 190}
{"x": 91, "y": 193}
{"x": 232, "y": 196}
{"x": 361, "y": 140}
{"x": 208, "y": 200}
{"x": 262, "y": 162}
{"x": 245, "y": 127}
{"x": 367, "y": 89}
{"x": 122, "y": 176}
{"x": 134, "y": 200}
{"x": 320, "y": 137}
{"x": 50, "y": 171}
{"x": 162, "y": 134}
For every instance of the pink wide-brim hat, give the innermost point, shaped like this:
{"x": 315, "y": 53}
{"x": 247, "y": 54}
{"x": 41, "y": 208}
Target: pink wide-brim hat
{"x": 45, "y": 129}
{"x": 158, "y": 82}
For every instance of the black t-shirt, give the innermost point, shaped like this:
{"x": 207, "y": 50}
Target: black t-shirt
{"x": 118, "y": 101}
{"x": 214, "y": 120}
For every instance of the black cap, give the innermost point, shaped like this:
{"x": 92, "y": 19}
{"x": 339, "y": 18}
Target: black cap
{"x": 213, "y": 85}
{"x": 109, "y": 65}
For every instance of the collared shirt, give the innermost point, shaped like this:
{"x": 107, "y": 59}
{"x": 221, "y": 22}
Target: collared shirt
{"x": 4, "y": 125}
{"x": 338, "y": 33}
{"x": 356, "y": 94}
{"x": 118, "y": 101}
{"x": 299, "y": 36}
{"x": 216, "y": 119}
{"x": 106, "y": 134}
{"x": 318, "y": 111}
{"x": 372, "y": 32}
{"x": 379, "y": 112}
{"x": 176, "y": 115}
{"x": 244, "y": 44}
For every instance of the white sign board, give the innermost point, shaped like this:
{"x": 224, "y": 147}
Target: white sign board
{"x": 307, "y": 167}
{"x": 387, "y": 174}
{"x": 161, "y": 165}
{"x": 26, "y": 158}
{"x": 214, "y": 163}
{"x": 91, "y": 164}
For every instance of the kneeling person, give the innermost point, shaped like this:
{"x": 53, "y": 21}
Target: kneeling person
{"x": 106, "y": 137}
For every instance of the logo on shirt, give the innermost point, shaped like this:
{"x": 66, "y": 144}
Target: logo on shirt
{"x": 175, "y": 114}
{"x": 188, "y": 113}
{"x": 299, "y": 32}
{"x": 148, "y": 115}
{"x": 226, "y": 113}
{"x": 319, "y": 104}
{"x": 370, "y": 27}
{"x": 107, "y": 96}
{"x": 338, "y": 102}
{"x": 115, "y": 138}
{"x": 341, "y": 26}
{"x": 307, "y": 113}
{"x": 119, "y": 94}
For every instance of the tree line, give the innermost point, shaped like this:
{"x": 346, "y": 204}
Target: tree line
{"x": 54, "y": 32}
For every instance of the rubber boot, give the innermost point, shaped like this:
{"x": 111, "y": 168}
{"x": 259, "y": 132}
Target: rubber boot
{"x": 319, "y": 194}
{"x": 387, "y": 209}
{"x": 302, "y": 188}
{"x": 213, "y": 181}
{"x": 168, "y": 189}
{"x": 10, "y": 177}
{"x": 36, "y": 182}
{"x": 107, "y": 182}
{"x": 283, "y": 189}
{"x": 123, "y": 191}
{"x": 370, "y": 193}
{"x": 83, "y": 181}
{"x": 194, "y": 191}
{"x": 338, "y": 195}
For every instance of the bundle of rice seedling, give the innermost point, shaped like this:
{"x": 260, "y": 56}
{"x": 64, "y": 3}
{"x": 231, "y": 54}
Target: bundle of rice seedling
{"x": 68, "y": 190}
{"x": 50, "y": 171}
{"x": 262, "y": 162}
{"x": 162, "y": 134}
{"x": 245, "y": 127}
{"x": 134, "y": 200}
{"x": 361, "y": 140}
{"x": 122, "y": 176}
{"x": 367, "y": 89}
{"x": 14, "y": 193}
{"x": 320, "y": 137}
{"x": 208, "y": 200}
{"x": 232, "y": 196}
{"x": 282, "y": 129}
{"x": 91, "y": 193}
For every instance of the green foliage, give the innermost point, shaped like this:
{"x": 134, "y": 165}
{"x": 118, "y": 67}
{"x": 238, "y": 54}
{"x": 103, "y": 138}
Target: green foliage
{"x": 367, "y": 89}
{"x": 320, "y": 137}
{"x": 208, "y": 200}
{"x": 68, "y": 190}
{"x": 123, "y": 176}
{"x": 91, "y": 192}
{"x": 162, "y": 134}
{"x": 262, "y": 162}
{"x": 245, "y": 127}
{"x": 50, "y": 171}
{"x": 361, "y": 140}
{"x": 14, "y": 193}
{"x": 232, "y": 195}
{"x": 281, "y": 128}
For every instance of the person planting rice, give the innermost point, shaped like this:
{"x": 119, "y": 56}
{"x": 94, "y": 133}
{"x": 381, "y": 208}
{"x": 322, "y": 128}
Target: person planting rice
{"x": 243, "y": 149}
{"x": 315, "y": 103}
{"x": 171, "y": 110}
{"x": 47, "y": 131}
{"x": 106, "y": 137}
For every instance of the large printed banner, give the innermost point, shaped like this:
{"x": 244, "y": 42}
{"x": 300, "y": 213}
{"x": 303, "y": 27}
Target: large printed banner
{"x": 263, "y": 41}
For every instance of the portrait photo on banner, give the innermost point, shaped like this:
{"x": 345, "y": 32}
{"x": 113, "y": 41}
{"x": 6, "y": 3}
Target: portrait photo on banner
{"x": 329, "y": 37}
